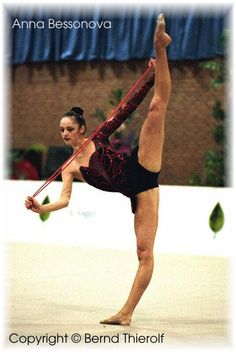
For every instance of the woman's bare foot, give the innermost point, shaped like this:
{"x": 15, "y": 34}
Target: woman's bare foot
{"x": 118, "y": 319}
{"x": 161, "y": 38}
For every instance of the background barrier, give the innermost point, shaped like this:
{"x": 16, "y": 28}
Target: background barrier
{"x": 104, "y": 220}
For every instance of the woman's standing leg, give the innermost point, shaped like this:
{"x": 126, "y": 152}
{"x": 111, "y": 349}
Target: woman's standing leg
{"x": 150, "y": 156}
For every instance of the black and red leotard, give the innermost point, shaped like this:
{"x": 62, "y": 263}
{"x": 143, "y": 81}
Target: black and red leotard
{"x": 112, "y": 171}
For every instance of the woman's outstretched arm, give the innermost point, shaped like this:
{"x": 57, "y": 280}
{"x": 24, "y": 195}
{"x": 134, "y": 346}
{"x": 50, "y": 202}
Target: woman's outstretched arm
{"x": 32, "y": 204}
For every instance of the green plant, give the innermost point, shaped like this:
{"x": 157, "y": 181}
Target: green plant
{"x": 26, "y": 164}
{"x": 45, "y": 216}
{"x": 195, "y": 179}
{"x": 218, "y": 69}
{"x": 37, "y": 147}
{"x": 214, "y": 170}
{"x": 120, "y": 134}
{"x": 216, "y": 219}
{"x": 215, "y": 159}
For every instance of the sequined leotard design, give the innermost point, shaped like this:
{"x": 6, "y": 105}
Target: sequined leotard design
{"x": 112, "y": 171}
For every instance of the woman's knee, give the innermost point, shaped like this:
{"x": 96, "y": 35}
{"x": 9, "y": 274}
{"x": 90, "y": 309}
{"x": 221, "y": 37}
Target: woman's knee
{"x": 145, "y": 255}
{"x": 155, "y": 104}
{"x": 158, "y": 104}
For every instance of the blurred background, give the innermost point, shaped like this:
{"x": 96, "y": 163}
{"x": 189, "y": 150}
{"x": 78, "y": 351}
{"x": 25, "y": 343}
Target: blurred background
{"x": 95, "y": 63}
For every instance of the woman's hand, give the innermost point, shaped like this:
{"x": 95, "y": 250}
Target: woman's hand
{"x": 152, "y": 64}
{"x": 32, "y": 204}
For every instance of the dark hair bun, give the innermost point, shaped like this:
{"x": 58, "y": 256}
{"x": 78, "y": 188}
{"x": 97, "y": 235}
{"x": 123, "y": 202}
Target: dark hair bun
{"x": 78, "y": 110}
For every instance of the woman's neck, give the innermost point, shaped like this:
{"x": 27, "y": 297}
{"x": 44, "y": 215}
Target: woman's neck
{"x": 79, "y": 144}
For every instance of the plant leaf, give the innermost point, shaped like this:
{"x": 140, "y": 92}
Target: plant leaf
{"x": 45, "y": 216}
{"x": 217, "y": 111}
{"x": 37, "y": 147}
{"x": 216, "y": 220}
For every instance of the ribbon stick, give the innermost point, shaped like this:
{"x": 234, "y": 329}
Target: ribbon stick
{"x": 92, "y": 136}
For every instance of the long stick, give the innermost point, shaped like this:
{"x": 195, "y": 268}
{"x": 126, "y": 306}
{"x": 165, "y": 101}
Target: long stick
{"x": 91, "y": 137}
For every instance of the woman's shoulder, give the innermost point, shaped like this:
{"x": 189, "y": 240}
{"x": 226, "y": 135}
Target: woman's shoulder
{"x": 68, "y": 171}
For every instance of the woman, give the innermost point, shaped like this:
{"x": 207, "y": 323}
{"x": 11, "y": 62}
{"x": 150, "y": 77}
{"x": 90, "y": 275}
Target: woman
{"x": 136, "y": 176}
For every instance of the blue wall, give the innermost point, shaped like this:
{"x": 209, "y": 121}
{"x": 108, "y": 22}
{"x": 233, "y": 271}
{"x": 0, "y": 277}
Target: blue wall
{"x": 123, "y": 35}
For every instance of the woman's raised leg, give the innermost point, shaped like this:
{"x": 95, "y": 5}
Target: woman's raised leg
{"x": 152, "y": 133}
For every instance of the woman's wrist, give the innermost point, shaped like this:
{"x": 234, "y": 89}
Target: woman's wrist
{"x": 42, "y": 209}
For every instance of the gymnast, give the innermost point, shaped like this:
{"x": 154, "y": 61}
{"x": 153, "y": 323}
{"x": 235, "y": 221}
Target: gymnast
{"x": 135, "y": 176}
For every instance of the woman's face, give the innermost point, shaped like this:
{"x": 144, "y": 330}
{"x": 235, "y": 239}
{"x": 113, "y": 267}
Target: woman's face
{"x": 70, "y": 130}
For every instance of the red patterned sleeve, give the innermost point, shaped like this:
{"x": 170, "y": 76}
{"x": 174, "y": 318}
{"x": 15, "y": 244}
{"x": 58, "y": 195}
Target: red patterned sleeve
{"x": 124, "y": 112}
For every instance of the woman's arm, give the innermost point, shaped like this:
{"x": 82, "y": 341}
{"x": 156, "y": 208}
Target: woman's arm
{"x": 32, "y": 204}
{"x": 123, "y": 113}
